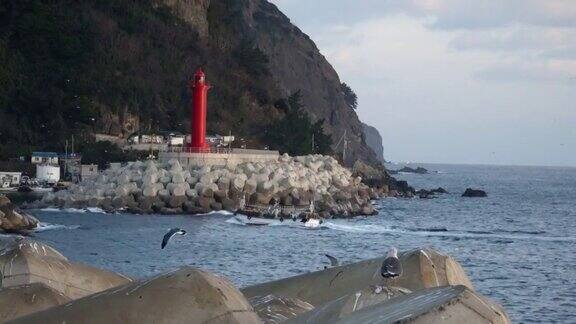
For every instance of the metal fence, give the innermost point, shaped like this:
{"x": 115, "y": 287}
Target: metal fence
{"x": 217, "y": 150}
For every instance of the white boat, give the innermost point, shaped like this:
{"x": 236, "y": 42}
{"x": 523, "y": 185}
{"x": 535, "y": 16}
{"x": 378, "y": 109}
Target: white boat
{"x": 312, "y": 223}
{"x": 42, "y": 189}
{"x": 255, "y": 221}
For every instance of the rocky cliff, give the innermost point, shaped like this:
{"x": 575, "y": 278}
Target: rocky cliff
{"x": 118, "y": 67}
{"x": 374, "y": 141}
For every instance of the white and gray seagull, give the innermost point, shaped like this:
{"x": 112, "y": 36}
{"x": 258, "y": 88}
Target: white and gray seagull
{"x": 391, "y": 267}
{"x": 171, "y": 233}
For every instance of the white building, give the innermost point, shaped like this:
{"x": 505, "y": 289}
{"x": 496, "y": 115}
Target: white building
{"x": 176, "y": 140}
{"x": 13, "y": 178}
{"x": 48, "y": 173}
{"x": 146, "y": 139}
{"x": 44, "y": 158}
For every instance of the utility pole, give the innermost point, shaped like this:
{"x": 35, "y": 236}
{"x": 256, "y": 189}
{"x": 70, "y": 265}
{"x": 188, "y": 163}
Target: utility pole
{"x": 344, "y": 151}
{"x": 65, "y": 157}
{"x": 313, "y": 150}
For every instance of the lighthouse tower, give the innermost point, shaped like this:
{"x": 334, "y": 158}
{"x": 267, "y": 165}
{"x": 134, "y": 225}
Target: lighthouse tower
{"x": 199, "y": 88}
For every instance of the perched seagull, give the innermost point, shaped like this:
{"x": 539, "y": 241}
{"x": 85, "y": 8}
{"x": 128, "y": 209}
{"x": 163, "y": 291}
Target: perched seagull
{"x": 391, "y": 267}
{"x": 171, "y": 233}
{"x": 333, "y": 261}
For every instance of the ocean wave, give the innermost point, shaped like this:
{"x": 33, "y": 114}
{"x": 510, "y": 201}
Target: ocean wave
{"x": 93, "y": 210}
{"x": 440, "y": 232}
{"x": 50, "y": 210}
{"x": 49, "y": 227}
{"x": 217, "y": 212}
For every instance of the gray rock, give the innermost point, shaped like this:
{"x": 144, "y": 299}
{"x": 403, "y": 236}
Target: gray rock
{"x": 205, "y": 202}
{"x": 176, "y": 201}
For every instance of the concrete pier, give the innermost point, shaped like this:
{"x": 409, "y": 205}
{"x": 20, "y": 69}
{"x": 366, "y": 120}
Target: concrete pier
{"x": 219, "y": 157}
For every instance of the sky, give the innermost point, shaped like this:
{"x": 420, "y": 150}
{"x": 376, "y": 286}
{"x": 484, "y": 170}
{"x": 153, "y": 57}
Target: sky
{"x": 455, "y": 81}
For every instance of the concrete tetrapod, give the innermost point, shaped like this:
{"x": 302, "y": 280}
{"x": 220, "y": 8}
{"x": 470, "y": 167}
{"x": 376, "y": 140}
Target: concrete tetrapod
{"x": 272, "y": 309}
{"x": 423, "y": 268}
{"x": 446, "y": 305}
{"x": 24, "y": 261}
{"x": 345, "y": 305}
{"x": 184, "y": 296}
{"x": 22, "y": 300}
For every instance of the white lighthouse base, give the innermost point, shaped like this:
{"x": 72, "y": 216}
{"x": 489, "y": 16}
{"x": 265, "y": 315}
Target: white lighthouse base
{"x": 219, "y": 158}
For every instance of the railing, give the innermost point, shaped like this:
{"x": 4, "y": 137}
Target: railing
{"x": 217, "y": 150}
{"x": 186, "y": 149}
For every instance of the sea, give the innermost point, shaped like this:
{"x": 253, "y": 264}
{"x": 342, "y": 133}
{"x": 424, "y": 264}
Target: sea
{"x": 518, "y": 245}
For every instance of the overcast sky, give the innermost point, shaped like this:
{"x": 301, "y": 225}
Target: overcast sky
{"x": 455, "y": 81}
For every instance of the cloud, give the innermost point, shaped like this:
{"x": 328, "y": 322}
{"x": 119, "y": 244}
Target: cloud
{"x": 455, "y": 80}
{"x": 446, "y": 14}
{"x": 516, "y": 38}
{"x": 553, "y": 72}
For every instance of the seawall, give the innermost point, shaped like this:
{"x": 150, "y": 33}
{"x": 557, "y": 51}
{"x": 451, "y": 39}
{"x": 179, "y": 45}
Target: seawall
{"x": 222, "y": 158}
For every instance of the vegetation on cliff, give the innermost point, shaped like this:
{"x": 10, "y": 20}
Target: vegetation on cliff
{"x": 122, "y": 66}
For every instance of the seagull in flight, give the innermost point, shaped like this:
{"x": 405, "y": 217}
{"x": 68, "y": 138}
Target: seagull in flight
{"x": 391, "y": 267}
{"x": 171, "y": 233}
{"x": 333, "y": 261}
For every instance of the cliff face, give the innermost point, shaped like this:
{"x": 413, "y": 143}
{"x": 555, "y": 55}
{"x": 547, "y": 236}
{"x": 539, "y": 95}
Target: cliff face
{"x": 374, "y": 141}
{"x": 88, "y": 67}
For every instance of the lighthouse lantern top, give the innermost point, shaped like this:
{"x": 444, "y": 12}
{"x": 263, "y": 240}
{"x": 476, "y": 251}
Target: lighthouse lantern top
{"x": 199, "y": 76}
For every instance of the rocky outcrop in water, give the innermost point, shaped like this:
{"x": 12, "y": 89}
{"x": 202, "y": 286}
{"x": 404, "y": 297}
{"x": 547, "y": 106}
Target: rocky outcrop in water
{"x": 474, "y": 193}
{"x": 418, "y": 170}
{"x": 13, "y": 219}
{"x": 169, "y": 188}
{"x": 426, "y": 194}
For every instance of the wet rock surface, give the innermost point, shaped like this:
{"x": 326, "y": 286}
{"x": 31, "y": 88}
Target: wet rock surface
{"x": 12, "y": 219}
{"x": 24, "y": 261}
{"x": 25, "y": 299}
{"x": 184, "y": 296}
{"x": 474, "y": 193}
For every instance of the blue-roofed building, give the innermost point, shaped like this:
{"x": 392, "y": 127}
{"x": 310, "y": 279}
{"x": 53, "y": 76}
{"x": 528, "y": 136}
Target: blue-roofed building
{"x": 44, "y": 158}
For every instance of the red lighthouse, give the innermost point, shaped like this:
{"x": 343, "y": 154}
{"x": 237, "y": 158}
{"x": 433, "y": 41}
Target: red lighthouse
{"x": 199, "y": 88}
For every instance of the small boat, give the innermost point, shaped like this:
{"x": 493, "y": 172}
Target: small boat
{"x": 61, "y": 185}
{"x": 312, "y": 223}
{"x": 24, "y": 188}
{"x": 42, "y": 189}
{"x": 255, "y": 221}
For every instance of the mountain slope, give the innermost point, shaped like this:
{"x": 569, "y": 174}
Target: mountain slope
{"x": 121, "y": 66}
{"x": 374, "y": 141}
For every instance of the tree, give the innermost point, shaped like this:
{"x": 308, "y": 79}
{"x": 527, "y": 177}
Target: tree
{"x": 295, "y": 134}
{"x": 252, "y": 58}
{"x": 349, "y": 95}
{"x": 105, "y": 152}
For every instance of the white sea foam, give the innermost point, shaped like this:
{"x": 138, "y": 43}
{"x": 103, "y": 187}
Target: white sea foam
{"x": 95, "y": 210}
{"x": 217, "y": 212}
{"x": 50, "y": 210}
{"x": 362, "y": 228}
{"x": 48, "y": 227}
{"x": 233, "y": 220}
{"x": 74, "y": 210}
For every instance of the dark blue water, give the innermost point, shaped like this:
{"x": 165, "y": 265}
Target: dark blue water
{"x": 518, "y": 245}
